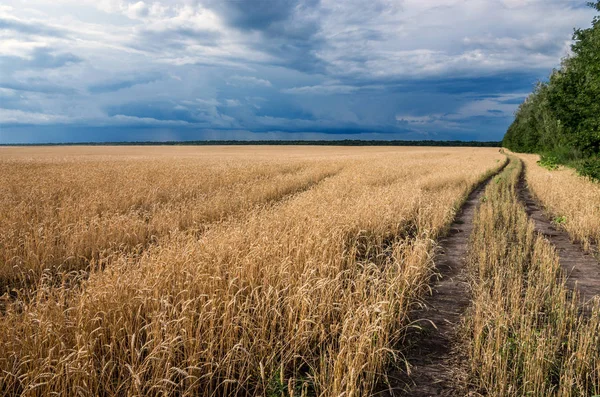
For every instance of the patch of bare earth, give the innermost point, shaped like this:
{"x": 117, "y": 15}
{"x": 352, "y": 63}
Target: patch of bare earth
{"x": 581, "y": 268}
{"x": 433, "y": 353}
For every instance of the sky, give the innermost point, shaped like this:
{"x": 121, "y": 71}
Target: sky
{"x": 127, "y": 70}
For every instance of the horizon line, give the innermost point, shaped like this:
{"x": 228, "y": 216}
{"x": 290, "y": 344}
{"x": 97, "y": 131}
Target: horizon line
{"x": 307, "y": 142}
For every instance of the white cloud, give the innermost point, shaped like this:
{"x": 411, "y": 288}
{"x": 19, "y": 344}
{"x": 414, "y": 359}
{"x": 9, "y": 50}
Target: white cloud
{"x": 322, "y": 89}
{"x": 14, "y": 116}
{"x": 365, "y": 39}
{"x": 447, "y": 37}
{"x": 207, "y": 102}
{"x": 122, "y": 119}
{"x": 245, "y": 81}
{"x": 232, "y": 103}
{"x": 418, "y": 119}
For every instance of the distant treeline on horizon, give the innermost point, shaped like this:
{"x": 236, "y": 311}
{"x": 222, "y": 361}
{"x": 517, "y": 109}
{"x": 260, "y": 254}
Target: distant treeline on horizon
{"x": 345, "y": 142}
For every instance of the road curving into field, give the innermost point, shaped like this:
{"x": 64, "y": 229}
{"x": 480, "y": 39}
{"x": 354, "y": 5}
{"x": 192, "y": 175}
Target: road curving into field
{"x": 518, "y": 278}
{"x": 525, "y": 333}
{"x": 434, "y": 362}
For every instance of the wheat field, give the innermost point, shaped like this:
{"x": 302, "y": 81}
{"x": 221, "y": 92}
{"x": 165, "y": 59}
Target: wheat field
{"x": 217, "y": 271}
{"x": 523, "y": 332}
{"x": 573, "y": 201}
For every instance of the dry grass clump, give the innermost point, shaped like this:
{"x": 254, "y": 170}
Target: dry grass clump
{"x": 525, "y": 335}
{"x": 306, "y": 296}
{"x": 573, "y": 201}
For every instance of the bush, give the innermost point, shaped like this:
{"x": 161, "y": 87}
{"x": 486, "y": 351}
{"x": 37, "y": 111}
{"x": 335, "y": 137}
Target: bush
{"x": 589, "y": 168}
{"x": 548, "y": 161}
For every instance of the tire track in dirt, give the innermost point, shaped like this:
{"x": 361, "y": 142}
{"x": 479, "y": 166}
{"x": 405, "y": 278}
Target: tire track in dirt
{"x": 580, "y": 267}
{"x": 431, "y": 349}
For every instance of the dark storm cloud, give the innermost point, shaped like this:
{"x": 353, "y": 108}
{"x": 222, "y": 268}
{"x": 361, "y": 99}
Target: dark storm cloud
{"x": 484, "y": 85}
{"x": 260, "y": 15}
{"x": 288, "y": 29}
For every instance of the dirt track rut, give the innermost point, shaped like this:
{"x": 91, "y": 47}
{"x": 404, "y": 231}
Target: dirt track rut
{"x": 435, "y": 362}
{"x": 431, "y": 346}
{"x": 581, "y": 268}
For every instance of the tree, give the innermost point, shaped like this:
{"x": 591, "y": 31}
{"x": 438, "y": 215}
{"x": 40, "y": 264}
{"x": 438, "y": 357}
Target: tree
{"x": 562, "y": 117}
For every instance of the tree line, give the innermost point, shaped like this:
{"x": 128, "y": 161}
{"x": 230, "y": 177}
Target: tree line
{"x": 560, "y": 119}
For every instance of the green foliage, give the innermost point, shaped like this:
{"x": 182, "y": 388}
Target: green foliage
{"x": 589, "y": 168}
{"x": 561, "y": 118}
{"x": 278, "y": 387}
{"x": 560, "y": 220}
{"x": 548, "y": 161}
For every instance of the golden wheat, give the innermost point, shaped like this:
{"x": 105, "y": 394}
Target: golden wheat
{"x": 524, "y": 334}
{"x": 73, "y": 215}
{"x": 300, "y": 285}
{"x": 573, "y": 201}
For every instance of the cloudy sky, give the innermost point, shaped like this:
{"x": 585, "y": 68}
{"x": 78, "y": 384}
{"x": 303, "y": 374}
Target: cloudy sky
{"x": 114, "y": 70}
